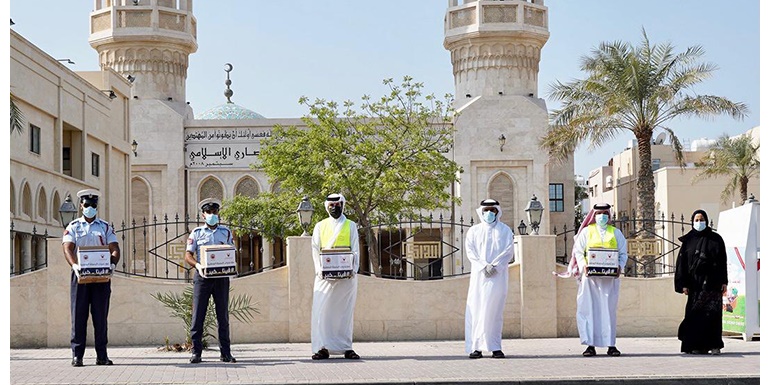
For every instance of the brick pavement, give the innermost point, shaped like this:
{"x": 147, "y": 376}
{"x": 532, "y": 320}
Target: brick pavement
{"x": 528, "y": 362}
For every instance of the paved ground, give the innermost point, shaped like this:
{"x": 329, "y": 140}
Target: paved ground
{"x": 530, "y": 362}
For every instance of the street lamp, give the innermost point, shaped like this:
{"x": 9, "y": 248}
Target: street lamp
{"x": 522, "y": 228}
{"x": 305, "y": 213}
{"x": 68, "y": 211}
{"x": 534, "y": 214}
{"x": 134, "y": 145}
{"x": 501, "y": 141}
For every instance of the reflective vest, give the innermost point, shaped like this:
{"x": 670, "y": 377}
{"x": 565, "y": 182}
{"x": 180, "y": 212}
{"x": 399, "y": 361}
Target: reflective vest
{"x": 595, "y": 239}
{"x": 327, "y": 231}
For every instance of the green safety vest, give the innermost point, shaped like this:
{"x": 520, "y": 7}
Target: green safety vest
{"x": 343, "y": 239}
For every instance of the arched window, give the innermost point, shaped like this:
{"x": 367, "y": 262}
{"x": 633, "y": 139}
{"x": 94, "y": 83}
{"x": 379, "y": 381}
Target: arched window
{"x": 26, "y": 200}
{"x": 501, "y": 189}
{"x": 140, "y": 199}
{"x": 247, "y": 187}
{"x": 211, "y": 188}
{"x": 56, "y": 204}
{"x": 13, "y": 199}
{"x": 42, "y": 204}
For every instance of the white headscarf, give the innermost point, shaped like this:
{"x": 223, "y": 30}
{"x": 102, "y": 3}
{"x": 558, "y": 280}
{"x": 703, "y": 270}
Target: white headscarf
{"x": 489, "y": 203}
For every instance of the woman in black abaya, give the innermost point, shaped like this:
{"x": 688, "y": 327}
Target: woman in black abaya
{"x": 701, "y": 275}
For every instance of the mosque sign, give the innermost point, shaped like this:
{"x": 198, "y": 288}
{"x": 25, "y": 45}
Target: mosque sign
{"x": 222, "y": 148}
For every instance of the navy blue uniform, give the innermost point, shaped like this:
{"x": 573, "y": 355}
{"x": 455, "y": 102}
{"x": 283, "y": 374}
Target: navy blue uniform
{"x": 204, "y": 288}
{"x": 90, "y": 296}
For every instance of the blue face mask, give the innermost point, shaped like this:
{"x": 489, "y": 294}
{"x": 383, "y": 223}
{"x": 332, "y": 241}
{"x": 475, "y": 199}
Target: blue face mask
{"x": 211, "y": 219}
{"x": 699, "y": 226}
{"x": 89, "y": 212}
{"x": 602, "y": 219}
{"x": 488, "y": 216}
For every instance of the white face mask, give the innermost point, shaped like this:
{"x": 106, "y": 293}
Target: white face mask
{"x": 211, "y": 219}
{"x": 488, "y": 216}
{"x": 89, "y": 212}
{"x": 699, "y": 226}
{"x": 602, "y": 219}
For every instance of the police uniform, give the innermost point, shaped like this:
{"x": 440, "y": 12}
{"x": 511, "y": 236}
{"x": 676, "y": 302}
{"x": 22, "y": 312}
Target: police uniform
{"x": 95, "y": 296}
{"x": 204, "y": 288}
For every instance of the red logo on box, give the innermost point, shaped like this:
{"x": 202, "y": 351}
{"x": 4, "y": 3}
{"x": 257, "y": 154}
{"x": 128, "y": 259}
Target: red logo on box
{"x": 212, "y": 256}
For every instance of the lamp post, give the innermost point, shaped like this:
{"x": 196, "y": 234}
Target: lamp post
{"x": 68, "y": 211}
{"x": 534, "y": 214}
{"x": 305, "y": 213}
{"x": 522, "y": 228}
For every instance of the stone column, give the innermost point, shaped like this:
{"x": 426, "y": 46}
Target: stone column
{"x": 26, "y": 253}
{"x": 536, "y": 253}
{"x": 299, "y": 260}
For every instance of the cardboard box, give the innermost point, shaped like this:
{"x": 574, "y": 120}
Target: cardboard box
{"x": 336, "y": 263}
{"x": 94, "y": 264}
{"x": 218, "y": 261}
{"x": 602, "y": 262}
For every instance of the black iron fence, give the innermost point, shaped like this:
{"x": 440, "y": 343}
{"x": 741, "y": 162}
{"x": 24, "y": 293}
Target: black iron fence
{"x": 653, "y": 244}
{"x": 155, "y": 248}
{"x": 29, "y": 250}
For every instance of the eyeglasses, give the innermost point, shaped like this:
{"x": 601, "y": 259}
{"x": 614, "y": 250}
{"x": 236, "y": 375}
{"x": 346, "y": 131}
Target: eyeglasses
{"x": 89, "y": 205}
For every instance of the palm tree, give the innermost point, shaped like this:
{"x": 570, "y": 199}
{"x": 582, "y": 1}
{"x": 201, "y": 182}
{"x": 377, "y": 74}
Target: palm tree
{"x": 17, "y": 118}
{"x": 639, "y": 89}
{"x": 736, "y": 157}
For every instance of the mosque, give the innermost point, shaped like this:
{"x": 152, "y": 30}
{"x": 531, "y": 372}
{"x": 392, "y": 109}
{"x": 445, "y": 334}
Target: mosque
{"x": 82, "y": 125}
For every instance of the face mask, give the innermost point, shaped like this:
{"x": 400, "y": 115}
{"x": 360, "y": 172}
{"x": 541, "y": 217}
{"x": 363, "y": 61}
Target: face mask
{"x": 211, "y": 219}
{"x": 602, "y": 219}
{"x": 488, "y": 216}
{"x": 335, "y": 211}
{"x": 699, "y": 226}
{"x": 89, "y": 212}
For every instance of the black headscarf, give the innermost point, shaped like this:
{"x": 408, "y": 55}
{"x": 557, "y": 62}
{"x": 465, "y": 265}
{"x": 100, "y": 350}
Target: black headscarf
{"x": 702, "y": 260}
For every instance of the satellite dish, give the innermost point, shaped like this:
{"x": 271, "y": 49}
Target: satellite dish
{"x": 660, "y": 138}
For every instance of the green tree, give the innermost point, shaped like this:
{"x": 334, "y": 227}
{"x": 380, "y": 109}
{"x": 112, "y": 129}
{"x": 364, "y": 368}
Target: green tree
{"x": 180, "y": 306}
{"x": 270, "y": 214}
{"x": 17, "y": 118}
{"x": 387, "y": 157}
{"x": 638, "y": 89}
{"x": 737, "y": 158}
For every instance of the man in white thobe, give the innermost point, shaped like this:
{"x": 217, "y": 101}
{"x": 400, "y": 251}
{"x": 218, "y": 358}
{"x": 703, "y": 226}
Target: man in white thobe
{"x": 597, "y": 297}
{"x": 331, "y": 324}
{"x": 489, "y": 246}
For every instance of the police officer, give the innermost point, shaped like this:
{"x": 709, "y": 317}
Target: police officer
{"x": 89, "y": 230}
{"x": 212, "y": 233}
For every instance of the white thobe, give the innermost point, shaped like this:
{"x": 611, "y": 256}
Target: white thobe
{"x": 487, "y": 244}
{"x": 597, "y": 297}
{"x": 331, "y": 323}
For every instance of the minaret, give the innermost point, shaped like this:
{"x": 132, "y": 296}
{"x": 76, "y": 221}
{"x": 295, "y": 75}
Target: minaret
{"x": 149, "y": 40}
{"x": 495, "y": 45}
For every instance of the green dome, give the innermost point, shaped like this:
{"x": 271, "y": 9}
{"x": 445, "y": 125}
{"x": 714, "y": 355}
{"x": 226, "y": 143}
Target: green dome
{"x": 229, "y": 111}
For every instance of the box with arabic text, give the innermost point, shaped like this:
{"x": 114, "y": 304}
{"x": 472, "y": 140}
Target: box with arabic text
{"x": 602, "y": 262}
{"x": 218, "y": 261}
{"x": 94, "y": 264}
{"x": 337, "y": 263}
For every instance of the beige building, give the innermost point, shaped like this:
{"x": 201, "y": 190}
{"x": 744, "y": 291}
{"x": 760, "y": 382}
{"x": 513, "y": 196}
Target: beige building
{"x": 676, "y": 194}
{"x": 76, "y": 136}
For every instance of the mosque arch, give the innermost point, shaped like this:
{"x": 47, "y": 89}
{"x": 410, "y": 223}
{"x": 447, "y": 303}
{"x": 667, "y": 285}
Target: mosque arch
{"x": 26, "y": 200}
{"x": 141, "y": 198}
{"x": 248, "y": 187}
{"x": 42, "y": 204}
{"x": 211, "y": 187}
{"x": 13, "y": 198}
{"x": 501, "y": 187}
{"x": 55, "y": 205}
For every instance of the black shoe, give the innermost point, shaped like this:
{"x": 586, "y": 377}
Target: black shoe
{"x": 227, "y": 358}
{"x": 475, "y": 354}
{"x": 613, "y": 351}
{"x": 321, "y": 355}
{"x": 77, "y": 361}
{"x": 589, "y": 352}
{"x": 351, "y": 355}
{"x": 498, "y": 354}
{"x": 105, "y": 361}
{"x": 195, "y": 359}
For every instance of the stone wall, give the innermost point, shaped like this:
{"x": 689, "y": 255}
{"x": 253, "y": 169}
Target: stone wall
{"x": 538, "y": 305}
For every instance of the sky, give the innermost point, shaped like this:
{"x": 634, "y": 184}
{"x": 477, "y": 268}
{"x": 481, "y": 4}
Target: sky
{"x": 343, "y": 49}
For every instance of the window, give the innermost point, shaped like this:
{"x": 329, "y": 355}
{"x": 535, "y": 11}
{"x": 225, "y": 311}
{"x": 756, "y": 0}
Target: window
{"x": 556, "y": 197}
{"x": 94, "y": 164}
{"x": 655, "y": 164}
{"x": 34, "y": 138}
{"x": 66, "y": 161}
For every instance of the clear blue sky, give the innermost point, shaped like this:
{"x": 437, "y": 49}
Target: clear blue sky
{"x": 339, "y": 50}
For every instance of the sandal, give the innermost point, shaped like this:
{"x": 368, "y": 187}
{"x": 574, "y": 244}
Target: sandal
{"x": 589, "y": 352}
{"x": 613, "y": 351}
{"x": 351, "y": 355}
{"x": 321, "y": 354}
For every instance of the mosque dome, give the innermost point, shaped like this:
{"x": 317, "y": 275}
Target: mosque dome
{"x": 229, "y": 111}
